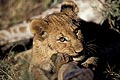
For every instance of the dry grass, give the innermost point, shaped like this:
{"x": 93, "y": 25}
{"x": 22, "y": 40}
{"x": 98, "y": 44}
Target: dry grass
{"x": 6, "y": 70}
{"x": 112, "y": 72}
{"x": 14, "y": 69}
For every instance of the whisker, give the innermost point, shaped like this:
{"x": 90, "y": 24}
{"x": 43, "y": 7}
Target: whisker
{"x": 93, "y": 48}
{"x": 90, "y": 41}
{"x": 90, "y": 48}
{"x": 89, "y": 51}
{"x": 92, "y": 45}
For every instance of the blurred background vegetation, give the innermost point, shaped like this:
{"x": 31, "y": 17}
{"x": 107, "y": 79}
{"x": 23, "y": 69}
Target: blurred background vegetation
{"x": 16, "y": 11}
{"x": 113, "y": 14}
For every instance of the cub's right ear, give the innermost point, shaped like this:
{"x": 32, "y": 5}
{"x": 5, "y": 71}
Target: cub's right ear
{"x": 37, "y": 26}
{"x": 69, "y": 7}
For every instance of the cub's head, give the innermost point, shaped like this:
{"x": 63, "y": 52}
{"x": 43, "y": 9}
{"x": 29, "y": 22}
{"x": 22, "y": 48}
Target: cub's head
{"x": 55, "y": 33}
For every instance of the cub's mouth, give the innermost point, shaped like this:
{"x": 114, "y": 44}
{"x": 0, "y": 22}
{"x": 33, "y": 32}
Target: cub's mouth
{"x": 67, "y": 57}
{"x": 79, "y": 56}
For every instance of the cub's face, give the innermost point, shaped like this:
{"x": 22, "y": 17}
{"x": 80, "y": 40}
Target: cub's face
{"x": 62, "y": 36}
{"x": 54, "y": 34}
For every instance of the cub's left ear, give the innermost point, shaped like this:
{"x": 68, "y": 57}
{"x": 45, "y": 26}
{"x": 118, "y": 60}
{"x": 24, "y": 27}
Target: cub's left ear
{"x": 69, "y": 7}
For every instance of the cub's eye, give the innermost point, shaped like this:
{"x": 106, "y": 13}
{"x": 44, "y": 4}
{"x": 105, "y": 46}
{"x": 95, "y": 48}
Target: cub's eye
{"x": 62, "y": 39}
{"x": 75, "y": 31}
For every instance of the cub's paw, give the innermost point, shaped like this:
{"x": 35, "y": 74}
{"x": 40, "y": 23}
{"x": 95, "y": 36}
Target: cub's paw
{"x": 90, "y": 63}
{"x": 59, "y": 59}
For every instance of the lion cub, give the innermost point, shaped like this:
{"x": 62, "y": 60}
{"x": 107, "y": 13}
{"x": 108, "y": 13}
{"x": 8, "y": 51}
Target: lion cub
{"x": 56, "y": 33}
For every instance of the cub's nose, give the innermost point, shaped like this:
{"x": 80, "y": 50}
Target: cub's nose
{"x": 79, "y": 49}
